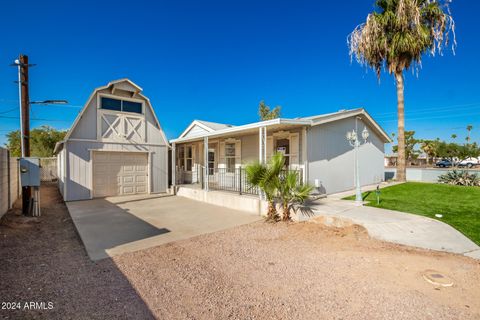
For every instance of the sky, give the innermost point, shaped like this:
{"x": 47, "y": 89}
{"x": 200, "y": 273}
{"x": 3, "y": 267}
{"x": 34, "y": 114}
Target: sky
{"x": 215, "y": 61}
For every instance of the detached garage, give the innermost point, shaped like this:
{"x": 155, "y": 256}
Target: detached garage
{"x": 115, "y": 146}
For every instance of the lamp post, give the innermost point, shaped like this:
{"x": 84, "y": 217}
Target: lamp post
{"x": 355, "y": 142}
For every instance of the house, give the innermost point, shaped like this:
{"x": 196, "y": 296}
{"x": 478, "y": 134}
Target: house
{"x": 212, "y": 156}
{"x": 116, "y": 146}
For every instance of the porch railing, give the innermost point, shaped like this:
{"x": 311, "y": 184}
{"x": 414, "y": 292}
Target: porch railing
{"x": 223, "y": 179}
{"x": 235, "y": 180}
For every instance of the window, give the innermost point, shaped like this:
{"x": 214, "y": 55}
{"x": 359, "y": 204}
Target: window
{"x": 211, "y": 161}
{"x": 188, "y": 158}
{"x": 111, "y": 104}
{"x": 120, "y": 105}
{"x": 283, "y": 146}
{"x": 230, "y": 156}
{"x": 185, "y": 158}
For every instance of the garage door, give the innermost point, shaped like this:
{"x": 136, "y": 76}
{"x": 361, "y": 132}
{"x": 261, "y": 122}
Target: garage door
{"x": 119, "y": 173}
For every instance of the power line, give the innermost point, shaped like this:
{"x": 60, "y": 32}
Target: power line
{"x": 433, "y": 111}
{"x": 431, "y": 108}
{"x": 39, "y": 119}
{"x": 9, "y": 110}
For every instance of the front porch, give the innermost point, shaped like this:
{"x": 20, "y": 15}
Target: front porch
{"x": 217, "y": 161}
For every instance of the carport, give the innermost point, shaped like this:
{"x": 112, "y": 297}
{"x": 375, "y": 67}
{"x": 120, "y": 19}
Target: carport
{"x": 116, "y": 225}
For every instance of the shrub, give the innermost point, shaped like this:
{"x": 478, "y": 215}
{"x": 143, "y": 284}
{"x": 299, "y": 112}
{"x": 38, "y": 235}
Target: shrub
{"x": 460, "y": 178}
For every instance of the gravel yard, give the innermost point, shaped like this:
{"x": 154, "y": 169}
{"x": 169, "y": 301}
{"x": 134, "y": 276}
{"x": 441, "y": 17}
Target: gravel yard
{"x": 255, "y": 271}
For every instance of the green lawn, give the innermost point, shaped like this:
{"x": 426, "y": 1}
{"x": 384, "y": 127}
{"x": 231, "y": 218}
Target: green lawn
{"x": 459, "y": 205}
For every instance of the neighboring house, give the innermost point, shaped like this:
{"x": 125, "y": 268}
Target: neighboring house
{"x": 421, "y": 160}
{"x": 116, "y": 146}
{"x": 213, "y": 156}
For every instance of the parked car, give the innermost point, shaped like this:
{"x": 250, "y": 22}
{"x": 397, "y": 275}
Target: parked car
{"x": 469, "y": 163}
{"x": 444, "y": 163}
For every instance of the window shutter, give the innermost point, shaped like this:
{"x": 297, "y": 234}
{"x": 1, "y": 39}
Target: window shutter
{"x": 269, "y": 147}
{"x": 294, "y": 150}
{"x": 221, "y": 158}
{"x": 238, "y": 153}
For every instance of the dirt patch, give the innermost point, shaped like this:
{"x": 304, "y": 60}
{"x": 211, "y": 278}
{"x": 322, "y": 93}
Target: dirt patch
{"x": 300, "y": 271}
{"x": 256, "y": 271}
{"x": 43, "y": 260}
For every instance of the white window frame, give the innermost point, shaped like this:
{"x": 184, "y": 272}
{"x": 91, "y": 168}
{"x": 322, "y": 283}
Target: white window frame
{"x": 112, "y": 96}
{"x": 227, "y": 157}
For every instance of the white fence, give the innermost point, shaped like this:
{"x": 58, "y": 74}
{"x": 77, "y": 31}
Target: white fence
{"x": 10, "y": 188}
{"x": 421, "y": 174}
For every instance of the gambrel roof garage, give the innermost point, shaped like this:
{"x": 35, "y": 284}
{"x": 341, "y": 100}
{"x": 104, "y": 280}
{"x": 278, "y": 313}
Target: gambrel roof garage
{"x": 116, "y": 146}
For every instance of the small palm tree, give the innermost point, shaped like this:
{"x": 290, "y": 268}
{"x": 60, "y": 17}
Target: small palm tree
{"x": 292, "y": 192}
{"x": 395, "y": 37}
{"x": 267, "y": 178}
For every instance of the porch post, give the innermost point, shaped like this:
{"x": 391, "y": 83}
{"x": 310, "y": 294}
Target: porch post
{"x": 205, "y": 163}
{"x": 305, "y": 154}
{"x": 174, "y": 166}
{"x": 262, "y": 151}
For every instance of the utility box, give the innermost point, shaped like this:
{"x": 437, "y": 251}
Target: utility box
{"x": 30, "y": 172}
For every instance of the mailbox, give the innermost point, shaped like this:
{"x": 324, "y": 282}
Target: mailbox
{"x": 30, "y": 172}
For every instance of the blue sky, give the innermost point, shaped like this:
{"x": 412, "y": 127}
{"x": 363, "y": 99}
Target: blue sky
{"x": 215, "y": 60}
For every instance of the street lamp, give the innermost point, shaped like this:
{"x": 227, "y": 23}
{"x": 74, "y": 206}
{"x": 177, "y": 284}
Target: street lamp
{"x": 355, "y": 142}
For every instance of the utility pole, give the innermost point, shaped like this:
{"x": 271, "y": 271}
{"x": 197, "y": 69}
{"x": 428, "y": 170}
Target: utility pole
{"x": 23, "y": 66}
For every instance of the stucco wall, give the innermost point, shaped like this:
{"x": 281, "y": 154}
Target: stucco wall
{"x": 331, "y": 158}
{"x": 10, "y": 189}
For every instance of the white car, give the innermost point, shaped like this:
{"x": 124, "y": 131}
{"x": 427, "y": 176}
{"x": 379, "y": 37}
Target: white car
{"x": 469, "y": 163}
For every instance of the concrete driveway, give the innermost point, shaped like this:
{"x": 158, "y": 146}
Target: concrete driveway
{"x": 115, "y": 225}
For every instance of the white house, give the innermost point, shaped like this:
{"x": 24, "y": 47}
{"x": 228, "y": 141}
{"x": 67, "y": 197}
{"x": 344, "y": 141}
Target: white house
{"x": 213, "y": 155}
{"x": 116, "y": 146}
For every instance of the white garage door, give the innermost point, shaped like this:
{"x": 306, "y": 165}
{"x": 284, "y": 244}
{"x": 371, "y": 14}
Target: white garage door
{"x": 119, "y": 173}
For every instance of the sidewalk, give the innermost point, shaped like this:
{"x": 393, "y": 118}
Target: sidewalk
{"x": 397, "y": 227}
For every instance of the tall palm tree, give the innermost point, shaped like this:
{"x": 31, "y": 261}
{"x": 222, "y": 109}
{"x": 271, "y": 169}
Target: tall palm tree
{"x": 267, "y": 178}
{"x": 395, "y": 37}
{"x": 469, "y": 128}
{"x": 454, "y": 136}
{"x": 291, "y": 192}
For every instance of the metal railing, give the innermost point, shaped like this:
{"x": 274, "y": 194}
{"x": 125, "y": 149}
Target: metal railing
{"x": 223, "y": 179}
{"x": 236, "y": 180}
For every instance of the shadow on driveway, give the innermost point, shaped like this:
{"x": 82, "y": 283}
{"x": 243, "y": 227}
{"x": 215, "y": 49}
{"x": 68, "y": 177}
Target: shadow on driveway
{"x": 115, "y": 225}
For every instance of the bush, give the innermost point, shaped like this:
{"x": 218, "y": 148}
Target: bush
{"x": 460, "y": 178}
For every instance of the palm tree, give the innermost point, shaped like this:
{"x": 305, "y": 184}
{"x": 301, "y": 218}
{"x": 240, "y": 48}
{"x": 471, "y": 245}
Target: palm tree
{"x": 395, "y": 37}
{"x": 469, "y": 128}
{"x": 454, "y": 136}
{"x": 267, "y": 178}
{"x": 291, "y": 192}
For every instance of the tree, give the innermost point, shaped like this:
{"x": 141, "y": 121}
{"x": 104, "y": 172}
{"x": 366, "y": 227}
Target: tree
{"x": 454, "y": 136}
{"x": 292, "y": 192}
{"x": 395, "y": 37}
{"x": 266, "y": 113}
{"x": 42, "y": 141}
{"x": 266, "y": 178}
{"x": 469, "y": 128}
{"x": 410, "y": 144}
{"x": 430, "y": 148}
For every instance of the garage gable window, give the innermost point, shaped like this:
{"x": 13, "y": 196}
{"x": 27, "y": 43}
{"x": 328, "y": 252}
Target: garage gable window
{"x": 120, "y": 105}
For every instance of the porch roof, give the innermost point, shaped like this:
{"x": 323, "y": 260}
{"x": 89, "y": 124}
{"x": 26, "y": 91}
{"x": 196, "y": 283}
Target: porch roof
{"x": 243, "y": 129}
{"x": 282, "y": 122}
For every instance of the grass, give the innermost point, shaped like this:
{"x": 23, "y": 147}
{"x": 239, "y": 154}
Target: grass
{"x": 460, "y": 206}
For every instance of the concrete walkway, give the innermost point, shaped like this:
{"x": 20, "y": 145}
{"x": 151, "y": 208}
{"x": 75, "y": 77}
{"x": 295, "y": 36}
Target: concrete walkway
{"x": 397, "y": 227}
{"x": 115, "y": 225}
